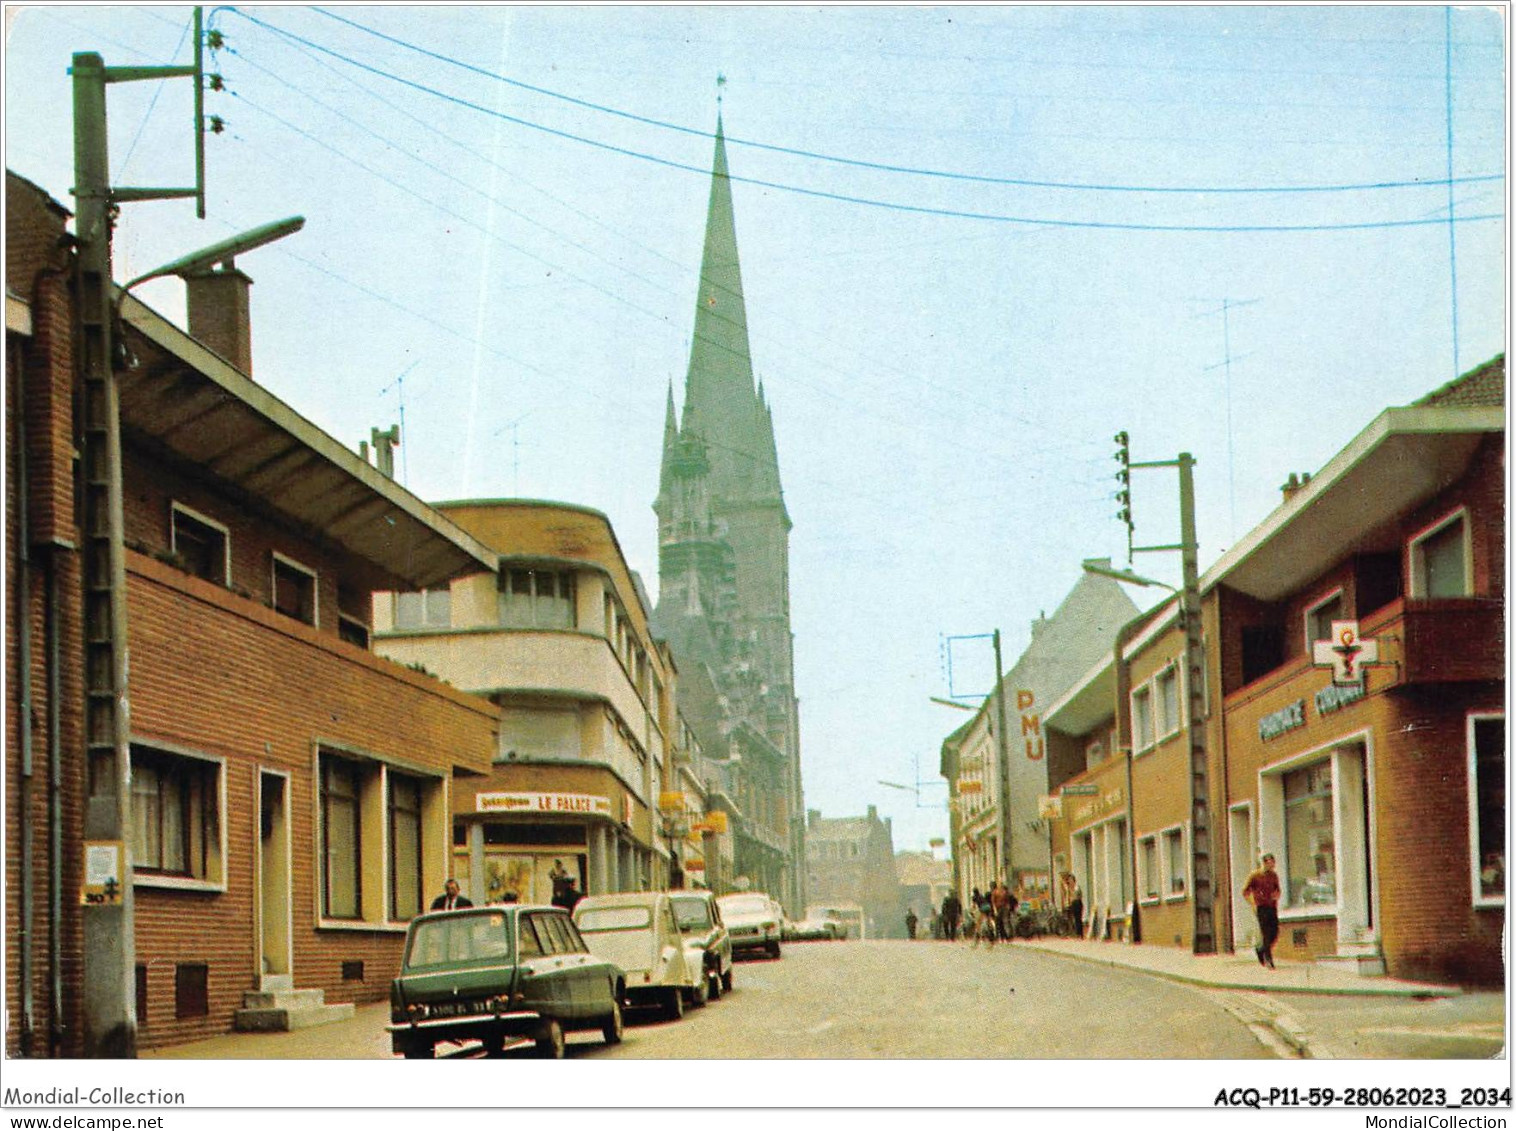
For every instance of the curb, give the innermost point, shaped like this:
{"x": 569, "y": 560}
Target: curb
{"x": 1260, "y": 987}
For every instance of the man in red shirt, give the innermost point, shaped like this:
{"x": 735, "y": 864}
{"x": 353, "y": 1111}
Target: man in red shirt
{"x": 1262, "y": 891}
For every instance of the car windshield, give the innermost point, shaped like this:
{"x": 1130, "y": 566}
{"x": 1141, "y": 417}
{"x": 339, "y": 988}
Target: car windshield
{"x": 613, "y": 919}
{"x": 458, "y": 939}
{"x": 747, "y": 905}
{"x": 693, "y": 914}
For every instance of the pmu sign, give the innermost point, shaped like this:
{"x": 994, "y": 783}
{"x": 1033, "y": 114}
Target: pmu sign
{"x": 1031, "y": 726}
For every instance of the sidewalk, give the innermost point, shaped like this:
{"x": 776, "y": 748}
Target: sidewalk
{"x": 1235, "y": 971}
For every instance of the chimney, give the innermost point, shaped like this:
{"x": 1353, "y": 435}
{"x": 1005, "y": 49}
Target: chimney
{"x": 218, "y": 314}
{"x": 1294, "y": 484}
{"x": 873, "y": 814}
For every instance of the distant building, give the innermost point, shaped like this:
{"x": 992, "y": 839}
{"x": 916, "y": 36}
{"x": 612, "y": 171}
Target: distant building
{"x": 723, "y": 569}
{"x": 559, "y": 640}
{"x": 924, "y": 883}
{"x": 1062, "y": 649}
{"x": 851, "y": 860}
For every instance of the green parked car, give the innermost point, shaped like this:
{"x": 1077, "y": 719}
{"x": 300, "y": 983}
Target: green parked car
{"x": 490, "y": 974}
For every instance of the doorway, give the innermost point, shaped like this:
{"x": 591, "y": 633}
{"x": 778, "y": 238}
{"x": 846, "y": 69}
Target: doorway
{"x": 1240, "y": 844}
{"x": 275, "y": 959}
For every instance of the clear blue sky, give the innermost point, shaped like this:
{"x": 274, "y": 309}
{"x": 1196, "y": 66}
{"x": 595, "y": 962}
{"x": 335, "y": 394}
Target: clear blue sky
{"x": 944, "y": 387}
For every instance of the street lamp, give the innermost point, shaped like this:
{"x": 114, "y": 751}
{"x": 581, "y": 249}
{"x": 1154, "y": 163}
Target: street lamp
{"x": 198, "y": 262}
{"x": 1099, "y": 567}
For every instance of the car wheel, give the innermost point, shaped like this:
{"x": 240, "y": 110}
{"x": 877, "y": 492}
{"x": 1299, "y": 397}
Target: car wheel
{"x": 614, "y": 1026}
{"x": 673, "y": 1006}
{"x": 727, "y": 978}
{"x": 774, "y": 951}
{"x": 494, "y": 1044}
{"x": 420, "y": 1050}
{"x": 550, "y": 1042}
{"x": 700, "y": 993}
{"x": 713, "y": 980}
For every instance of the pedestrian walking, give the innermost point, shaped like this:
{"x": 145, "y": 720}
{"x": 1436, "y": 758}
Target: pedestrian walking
{"x": 985, "y": 927}
{"x": 1262, "y": 891}
{"x": 1000, "y": 901}
{"x": 952, "y": 909}
{"x": 910, "y": 924}
{"x": 1076, "y": 904}
{"x": 450, "y": 899}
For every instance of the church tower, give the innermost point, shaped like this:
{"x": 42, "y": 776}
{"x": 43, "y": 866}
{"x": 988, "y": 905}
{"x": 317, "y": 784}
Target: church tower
{"x": 723, "y": 528}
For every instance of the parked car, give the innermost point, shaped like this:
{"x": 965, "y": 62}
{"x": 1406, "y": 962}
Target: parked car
{"x": 707, "y": 946}
{"x": 818, "y": 925}
{"x": 753, "y": 921}
{"x": 637, "y": 932}
{"x": 493, "y": 973}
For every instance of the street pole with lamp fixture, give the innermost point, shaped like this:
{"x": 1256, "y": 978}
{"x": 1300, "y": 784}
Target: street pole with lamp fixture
{"x": 1203, "y": 933}
{"x": 109, "y": 1026}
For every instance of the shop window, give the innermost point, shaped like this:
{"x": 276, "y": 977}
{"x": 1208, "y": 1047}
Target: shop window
{"x": 342, "y": 839}
{"x": 176, "y": 816}
{"x": 405, "y": 847}
{"x": 1167, "y": 694}
{"x": 1310, "y": 856}
{"x": 1147, "y": 868}
{"x": 191, "y": 990}
{"x": 1176, "y": 866}
{"x": 536, "y": 598}
{"x": 1142, "y": 718}
{"x": 294, "y": 589}
{"x": 202, "y": 544}
{"x": 429, "y": 608}
{"x": 1319, "y": 618}
{"x": 1487, "y": 806}
{"x": 1440, "y": 560}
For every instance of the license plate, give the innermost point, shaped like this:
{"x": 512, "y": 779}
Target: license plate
{"x": 452, "y": 1009}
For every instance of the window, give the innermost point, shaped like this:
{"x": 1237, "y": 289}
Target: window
{"x": 405, "y": 847}
{"x": 1487, "y": 806}
{"x": 1310, "y": 855}
{"x": 176, "y": 815}
{"x": 1168, "y": 700}
{"x": 1440, "y": 560}
{"x": 353, "y": 630}
{"x": 1147, "y": 865}
{"x": 1176, "y": 867}
{"x": 430, "y": 608}
{"x": 191, "y": 990}
{"x": 294, "y": 589}
{"x": 201, "y": 543}
{"x": 536, "y": 598}
{"x": 341, "y": 890}
{"x": 1142, "y": 718}
{"x": 530, "y": 945}
{"x": 1262, "y": 650}
{"x": 1319, "y": 618}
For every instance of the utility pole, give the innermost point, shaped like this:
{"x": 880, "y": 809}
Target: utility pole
{"x": 1202, "y": 899}
{"x": 1003, "y": 758}
{"x": 109, "y": 983}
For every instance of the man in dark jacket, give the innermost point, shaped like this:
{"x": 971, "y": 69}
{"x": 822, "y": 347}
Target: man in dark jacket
{"x": 952, "y": 911}
{"x": 450, "y": 899}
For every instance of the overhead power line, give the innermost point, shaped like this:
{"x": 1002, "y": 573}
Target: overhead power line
{"x": 1021, "y": 182}
{"x": 871, "y": 202}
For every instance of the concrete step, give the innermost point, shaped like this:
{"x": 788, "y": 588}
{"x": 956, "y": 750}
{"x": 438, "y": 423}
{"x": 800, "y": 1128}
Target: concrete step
{"x": 1367, "y": 964}
{"x": 283, "y": 999}
{"x": 274, "y": 1020}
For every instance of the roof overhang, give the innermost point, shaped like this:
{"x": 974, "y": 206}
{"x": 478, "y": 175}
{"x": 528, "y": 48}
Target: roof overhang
{"x": 1088, "y": 703}
{"x": 192, "y": 407}
{"x": 1403, "y": 458}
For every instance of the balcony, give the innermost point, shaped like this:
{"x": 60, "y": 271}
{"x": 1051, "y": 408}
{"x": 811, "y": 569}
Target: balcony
{"x": 1453, "y": 640}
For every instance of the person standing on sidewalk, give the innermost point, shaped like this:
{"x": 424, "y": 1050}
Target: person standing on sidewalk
{"x": 1262, "y": 891}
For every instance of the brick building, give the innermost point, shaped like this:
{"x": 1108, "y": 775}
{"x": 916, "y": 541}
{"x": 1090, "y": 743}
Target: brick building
{"x": 1378, "y": 785}
{"x": 289, "y": 790}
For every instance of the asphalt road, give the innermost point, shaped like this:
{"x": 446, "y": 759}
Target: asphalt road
{"x": 937, "y": 1001}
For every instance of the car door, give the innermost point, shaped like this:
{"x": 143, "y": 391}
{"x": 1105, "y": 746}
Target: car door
{"x": 597, "y": 979}
{"x": 572, "y": 970}
{"x": 550, "y": 982}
